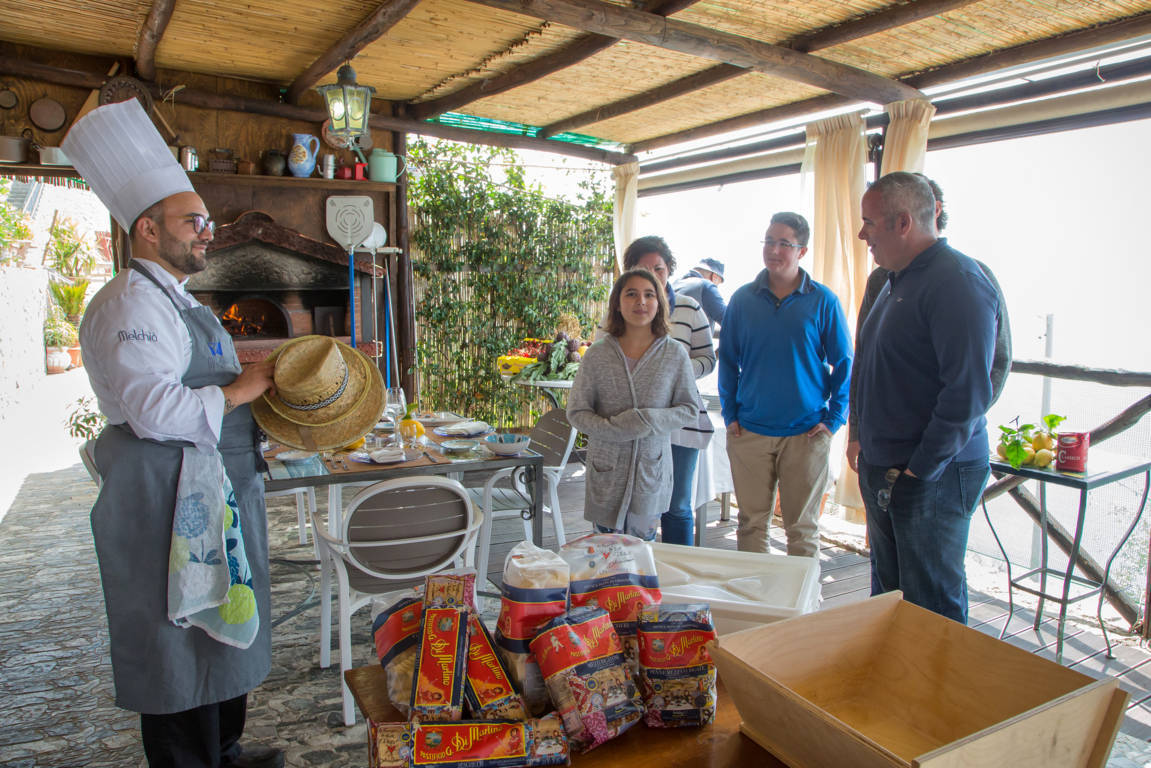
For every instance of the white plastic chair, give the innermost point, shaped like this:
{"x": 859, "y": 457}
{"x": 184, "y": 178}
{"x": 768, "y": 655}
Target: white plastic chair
{"x": 552, "y": 437}
{"x": 88, "y": 458}
{"x": 305, "y": 506}
{"x": 393, "y": 532}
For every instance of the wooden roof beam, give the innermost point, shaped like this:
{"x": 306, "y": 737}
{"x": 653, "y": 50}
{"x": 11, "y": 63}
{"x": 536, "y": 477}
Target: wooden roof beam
{"x": 573, "y": 53}
{"x": 357, "y": 38}
{"x": 613, "y": 20}
{"x": 1061, "y": 45}
{"x": 825, "y": 37}
{"x": 150, "y": 34}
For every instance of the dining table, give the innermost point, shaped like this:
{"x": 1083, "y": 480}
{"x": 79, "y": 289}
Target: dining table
{"x": 336, "y": 470}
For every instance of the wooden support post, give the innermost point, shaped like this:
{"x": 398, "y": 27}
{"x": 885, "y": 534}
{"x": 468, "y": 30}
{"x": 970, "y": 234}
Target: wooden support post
{"x": 404, "y": 311}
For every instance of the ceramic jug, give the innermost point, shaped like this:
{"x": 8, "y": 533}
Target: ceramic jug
{"x": 273, "y": 162}
{"x": 302, "y": 158}
{"x": 382, "y": 166}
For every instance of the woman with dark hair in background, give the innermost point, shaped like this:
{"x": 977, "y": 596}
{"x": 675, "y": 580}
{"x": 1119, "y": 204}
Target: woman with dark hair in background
{"x": 633, "y": 390}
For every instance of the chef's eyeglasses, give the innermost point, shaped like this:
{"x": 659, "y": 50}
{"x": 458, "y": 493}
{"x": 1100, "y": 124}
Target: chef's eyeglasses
{"x": 200, "y": 223}
{"x": 786, "y": 245}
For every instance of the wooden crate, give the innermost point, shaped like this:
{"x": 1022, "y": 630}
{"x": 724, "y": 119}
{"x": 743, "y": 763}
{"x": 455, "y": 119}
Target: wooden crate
{"x": 885, "y": 683}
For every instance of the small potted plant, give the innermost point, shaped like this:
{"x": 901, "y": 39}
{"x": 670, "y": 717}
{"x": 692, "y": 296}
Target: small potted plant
{"x": 59, "y": 334}
{"x": 71, "y": 298}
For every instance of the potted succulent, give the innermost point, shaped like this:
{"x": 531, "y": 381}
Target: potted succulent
{"x": 59, "y": 334}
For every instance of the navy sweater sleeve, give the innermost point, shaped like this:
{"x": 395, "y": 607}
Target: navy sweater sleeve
{"x": 712, "y": 302}
{"x": 961, "y": 318}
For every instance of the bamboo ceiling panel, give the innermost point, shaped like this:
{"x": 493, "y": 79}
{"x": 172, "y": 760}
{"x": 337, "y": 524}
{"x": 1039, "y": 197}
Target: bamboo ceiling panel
{"x": 437, "y": 40}
{"x": 269, "y": 40}
{"x": 975, "y": 30}
{"x": 777, "y": 20}
{"x": 748, "y": 93}
{"x": 100, "y": 27}
{"x": 623, "y": 70}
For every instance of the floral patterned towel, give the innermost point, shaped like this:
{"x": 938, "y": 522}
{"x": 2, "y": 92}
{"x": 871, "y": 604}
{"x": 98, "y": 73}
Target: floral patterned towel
{"x": 209, "y": 582}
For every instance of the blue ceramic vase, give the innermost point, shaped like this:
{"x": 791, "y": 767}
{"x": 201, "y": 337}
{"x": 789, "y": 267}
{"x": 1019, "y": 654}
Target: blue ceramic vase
{"x": 302, "y": 158}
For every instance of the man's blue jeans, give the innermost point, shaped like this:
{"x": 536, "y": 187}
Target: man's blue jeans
{"x": 677, "y": 524}
{"x": 919, "y": 541}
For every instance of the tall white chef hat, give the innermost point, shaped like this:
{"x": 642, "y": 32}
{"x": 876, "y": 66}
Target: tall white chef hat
{"x": 124, "y": 160}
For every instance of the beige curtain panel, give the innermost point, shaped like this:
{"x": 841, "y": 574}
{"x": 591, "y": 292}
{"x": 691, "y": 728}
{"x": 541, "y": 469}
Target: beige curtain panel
{"x": 905, "y": 144}
{"x": 837, "y": 159}
{"x": 626, "y": 188}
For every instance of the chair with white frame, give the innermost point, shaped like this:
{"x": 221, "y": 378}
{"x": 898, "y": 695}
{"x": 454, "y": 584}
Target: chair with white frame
{"x": 392, "y": 533}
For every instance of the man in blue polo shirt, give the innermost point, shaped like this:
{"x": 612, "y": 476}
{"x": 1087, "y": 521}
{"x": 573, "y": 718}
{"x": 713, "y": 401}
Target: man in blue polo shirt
{"x": 923, "y": 379}
{"x": 784, "y": 371}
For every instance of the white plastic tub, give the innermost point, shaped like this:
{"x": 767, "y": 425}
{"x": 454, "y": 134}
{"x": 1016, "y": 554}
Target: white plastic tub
{"x": 745, "y": 589}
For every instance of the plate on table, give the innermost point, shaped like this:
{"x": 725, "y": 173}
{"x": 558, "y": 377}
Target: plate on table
{"x": 383, "y": 456}
{"x": 464, "y": 429}
{"x": 437, "y": 418}
{"x": 457, "y": 446}
{"x": 295, "y": 455}
{"x": 385, "y": 426}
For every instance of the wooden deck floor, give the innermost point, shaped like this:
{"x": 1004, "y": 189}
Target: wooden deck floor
{"x": 846, "y": 578}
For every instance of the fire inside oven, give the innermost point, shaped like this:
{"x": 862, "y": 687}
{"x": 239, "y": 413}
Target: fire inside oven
{"x": 255, "y": 317}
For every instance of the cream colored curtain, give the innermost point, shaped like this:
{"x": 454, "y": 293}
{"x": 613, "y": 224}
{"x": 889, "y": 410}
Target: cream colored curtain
{"x": 905, "y": 144}
{"x": 836, "y": 160}
{"x": 626, "y": 182}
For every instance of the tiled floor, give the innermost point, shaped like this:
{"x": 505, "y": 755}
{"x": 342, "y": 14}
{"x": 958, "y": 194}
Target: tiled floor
{"x": 56, "y": 684}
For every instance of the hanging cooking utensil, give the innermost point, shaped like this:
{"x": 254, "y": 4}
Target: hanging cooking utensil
{"x": 47, "y": 114}
{"x": 122, "y": 88}
{"x": 349, "y": 220}
{"x": 8, "y": 98}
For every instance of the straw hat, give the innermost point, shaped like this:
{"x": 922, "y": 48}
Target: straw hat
{"x": 121, "y": 155}
{"x": 326, "y": 396}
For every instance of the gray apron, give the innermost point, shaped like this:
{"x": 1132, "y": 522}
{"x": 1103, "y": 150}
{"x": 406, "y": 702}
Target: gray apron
{"x": 159, "y": 668}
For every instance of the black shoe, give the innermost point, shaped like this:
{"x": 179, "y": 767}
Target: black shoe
{"x": 256, "y": 757}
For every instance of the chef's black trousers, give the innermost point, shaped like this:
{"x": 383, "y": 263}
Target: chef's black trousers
{"x": 203, "y": 737}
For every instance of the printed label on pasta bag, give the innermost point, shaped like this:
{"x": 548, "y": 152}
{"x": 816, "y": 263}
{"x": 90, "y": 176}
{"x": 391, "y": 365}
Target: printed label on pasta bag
{"x": 674, "y": 649}
{"x": 524, "y": 611}
{"x": 480, "y": 743}
{"x": 440, "y": 672}
{"x": 489, "y": 691}
{"x": 586, "y": 642}
{"x": 622, "y": 595}
{"x": 397, "y": 628}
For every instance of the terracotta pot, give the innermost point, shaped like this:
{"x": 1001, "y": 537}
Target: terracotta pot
{"x": 74, "y": 354}
{"x": 56, "y": 359}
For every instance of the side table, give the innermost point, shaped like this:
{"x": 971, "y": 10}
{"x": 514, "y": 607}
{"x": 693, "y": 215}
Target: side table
{"x": 1102, "y": 469}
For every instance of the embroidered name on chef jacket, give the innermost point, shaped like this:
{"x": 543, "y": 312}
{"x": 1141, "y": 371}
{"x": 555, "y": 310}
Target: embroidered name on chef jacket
{"x": 137, "y": 335}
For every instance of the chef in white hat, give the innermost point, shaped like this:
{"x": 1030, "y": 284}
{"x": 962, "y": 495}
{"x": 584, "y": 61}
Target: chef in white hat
{"x": 167, "y": 378}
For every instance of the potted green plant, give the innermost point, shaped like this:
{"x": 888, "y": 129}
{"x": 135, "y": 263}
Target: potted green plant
{"x": 71, "y": 298}
{"x": 59, "y": 334}
{"x": 68, "y": 251}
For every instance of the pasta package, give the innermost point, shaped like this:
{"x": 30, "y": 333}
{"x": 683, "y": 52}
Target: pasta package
{"x": 676, "y": 674}
{"x": 441, "y": 667}
{"x": 451, "y": 589}
{"x": 489, "y": 692}
{"x": 534, "y": 591}
{"x": 473, "y": 744}
{"x": 396, "y": 632}
{"x": 587, "y": 677}
{"x": 615, "y": 572}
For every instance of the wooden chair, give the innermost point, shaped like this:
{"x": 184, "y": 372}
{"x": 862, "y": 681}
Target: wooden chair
{"x": 393, "y": 533}
{"x": 504, "y": 495}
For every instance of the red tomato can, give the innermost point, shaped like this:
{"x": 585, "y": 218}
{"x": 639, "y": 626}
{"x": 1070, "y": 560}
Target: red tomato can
{"x": 1071, "y": 451}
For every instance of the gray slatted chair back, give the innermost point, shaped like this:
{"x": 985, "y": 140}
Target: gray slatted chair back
{"x": 553, "y": 438}
{"x": 401, "y": 529}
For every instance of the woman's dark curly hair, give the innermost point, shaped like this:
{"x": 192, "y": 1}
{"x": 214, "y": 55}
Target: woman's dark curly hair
{"x": 645, "y": 245}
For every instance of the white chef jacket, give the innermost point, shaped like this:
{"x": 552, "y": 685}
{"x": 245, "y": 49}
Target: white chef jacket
{"x": 136, "y": 349}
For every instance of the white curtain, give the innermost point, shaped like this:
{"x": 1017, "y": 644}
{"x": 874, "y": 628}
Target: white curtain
{"x": 836, "y": 159}
{"x": 626, "y": 186}
{"x": 905, "y": 143}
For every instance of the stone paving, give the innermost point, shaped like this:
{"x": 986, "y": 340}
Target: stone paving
{"x": 57, "y": 682}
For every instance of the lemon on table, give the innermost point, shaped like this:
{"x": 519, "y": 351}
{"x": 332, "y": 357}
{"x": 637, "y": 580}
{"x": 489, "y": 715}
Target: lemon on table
{"x": 410, "y": 429}
{"x": 355, "y": 444}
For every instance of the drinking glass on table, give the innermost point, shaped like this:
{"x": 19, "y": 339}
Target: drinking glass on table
{"x": 395, "y": 404}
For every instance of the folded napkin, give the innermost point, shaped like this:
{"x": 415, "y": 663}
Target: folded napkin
{"x": 465, "y": 428}
{"x": 385, "y": 455}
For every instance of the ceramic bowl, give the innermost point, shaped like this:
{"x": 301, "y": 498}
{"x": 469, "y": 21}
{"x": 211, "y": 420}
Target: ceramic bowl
{"x": 507, "y": 443}
{"x": 457, "y": 446}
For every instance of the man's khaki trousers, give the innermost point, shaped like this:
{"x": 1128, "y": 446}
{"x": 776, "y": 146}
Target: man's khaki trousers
{"x": 797, "y": 466}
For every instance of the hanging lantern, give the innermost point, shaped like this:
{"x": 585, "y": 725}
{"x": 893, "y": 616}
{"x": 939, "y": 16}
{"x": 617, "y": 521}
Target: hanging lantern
{"x": 349, "y": 104}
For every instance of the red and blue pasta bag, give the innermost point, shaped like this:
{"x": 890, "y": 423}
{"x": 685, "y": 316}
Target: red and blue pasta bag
{"x": 396, "y": 632}
{"x": 473, "y": 744}
{"x": 615, "y": 572}
{"x": 676, "y": 674}
{"x": 489, "y": 694}
{"x": 441, "y": 668}
{"x": 582, "y": 661}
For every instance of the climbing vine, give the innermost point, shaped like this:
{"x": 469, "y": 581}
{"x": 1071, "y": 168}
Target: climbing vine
{"x": 497, "y": 261}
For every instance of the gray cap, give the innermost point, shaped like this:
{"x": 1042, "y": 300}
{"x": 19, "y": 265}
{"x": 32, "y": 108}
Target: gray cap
{"x": 711, "y": 265}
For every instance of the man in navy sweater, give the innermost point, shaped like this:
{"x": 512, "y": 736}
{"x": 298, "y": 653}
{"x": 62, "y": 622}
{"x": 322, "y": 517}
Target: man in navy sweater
{"x": 923, "y": 378}
{"x": 784, "y": 369}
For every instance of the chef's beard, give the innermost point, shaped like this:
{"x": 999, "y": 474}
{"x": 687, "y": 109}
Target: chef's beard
{"x": 183, "y": 256}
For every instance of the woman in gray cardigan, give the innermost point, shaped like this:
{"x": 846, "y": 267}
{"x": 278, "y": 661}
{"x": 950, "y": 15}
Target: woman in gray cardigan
{"x": 634, "y": 388}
